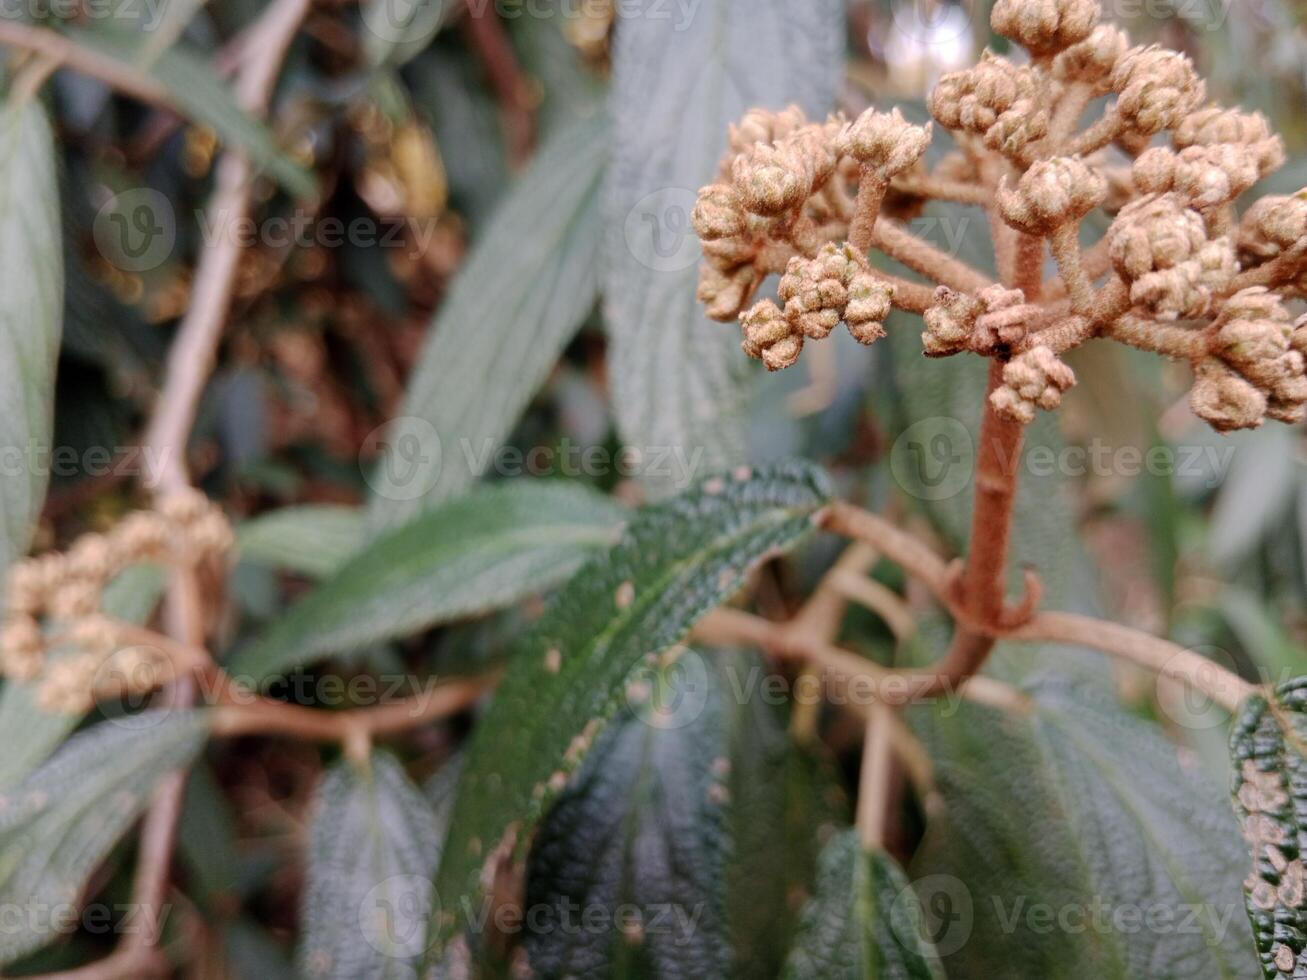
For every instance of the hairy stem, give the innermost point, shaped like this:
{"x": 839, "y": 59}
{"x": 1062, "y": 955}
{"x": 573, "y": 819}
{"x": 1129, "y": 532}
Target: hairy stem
{"x": 876, "y": 782}
{"x": 871, "y": 194}
{"x": 921, "y": 257}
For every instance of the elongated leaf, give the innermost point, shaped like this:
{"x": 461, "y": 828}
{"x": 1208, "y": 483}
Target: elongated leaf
{"x": 373, "y": 847}
{"x": 528, "y": 285}
{"x": 1078, "y": 814}
{"x": 678, "y": 82}
{"x": 474, "y": 554}
{"x": 864, "y": 922}
{"x": 205, "y": 98}
{"x": 640, "y": 842}
{"x": 1268, "y": 747}
{"x": 676, "y": 562}
{"x": 31, "y": 315}
{"x": 314, "y": 539}
{"x": 31, "y": 732}
{"x": 61, "y": 822}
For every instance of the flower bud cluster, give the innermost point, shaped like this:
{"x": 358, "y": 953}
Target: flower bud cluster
{"x": 1050, "y": 194}
{"x": 995, "y": 100}
{"x": 1034, "y": 379}
{"x": 1045, "y": 27}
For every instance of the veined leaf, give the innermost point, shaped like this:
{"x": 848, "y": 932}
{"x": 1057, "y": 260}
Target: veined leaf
{"x": 477, "y": 553}
{"x": 1078, "y": 814}
{"x": 679, "y": 379}
{"x": 567, "y": 678}
{"x": 31, "y": 316}
{"x": 205, "y": 98}
{"x": 373, "y": 846}
{"x": 864, "y": 923}
{"x": 61, "y": 822}
{"x": 313, "y": 539}
{"x": 1268, "y": 746}
{"x": 30, "y": 731}
{"x": 527, "y": 287}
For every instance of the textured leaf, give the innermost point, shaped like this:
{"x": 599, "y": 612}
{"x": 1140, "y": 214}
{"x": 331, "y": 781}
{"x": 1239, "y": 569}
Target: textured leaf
{"x": 528, "y": 285}
{"x": 61, "y": 822}
{"x": 864, "y": 922}
{"x": 205, "y": 98}
{"x": 478, "y": 553}
{"x": 31, "y": 733}
{"x": 678, "y": 82}
{"x": 313, "y": 539}
{"x": 1078, "y": 815}
{"x": 1268, "y": 746}
{"x": 567, "y": 677}
{"x": 31, "y": 314}
{"x": 373, "y": 846}
{"x": 640, "y": 841}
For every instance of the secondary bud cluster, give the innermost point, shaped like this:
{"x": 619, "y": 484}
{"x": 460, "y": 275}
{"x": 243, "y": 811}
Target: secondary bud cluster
{"x": 59, "y": 594}
{"x": 1035, "y": 379}
{"x": 995, "y": 100}
{"x": 1050, "y": 194}
{"x": 1045, "y": 27}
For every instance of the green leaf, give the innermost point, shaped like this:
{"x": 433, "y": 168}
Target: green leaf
{"x": 31, "y": 315}
{"x": 472, "y": 555}
{"x": 32, "y": 733}
{"x": 528, "y": 285}
{"x": 678, "y": 82}
{"x": 313, "y": 539}
{"x": 1256, "y": 493}
{"x": 639, "y": 842}
{"x": 1077, "y": 814}
{"x": 201, "y": 95}
{"x": 373, "y": 846}
{"x": 62, "y": 821}
{"x": 566, "y": 679}
{"x": 864, "y": 922}
{"x": 1268, "y": 746}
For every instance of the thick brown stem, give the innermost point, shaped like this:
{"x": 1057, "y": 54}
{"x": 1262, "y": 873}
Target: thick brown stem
{"x": 922, "y": 257}
{"x": 871, "y": 194}
{"x": 1065, "y": 244}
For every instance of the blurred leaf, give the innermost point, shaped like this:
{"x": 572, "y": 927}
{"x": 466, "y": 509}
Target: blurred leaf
{"x": 570, "y": 90}
{"x": 373, "y": 846}
{"x": 204, "y": 97}
{"x": 678, "y": 379}
{"x": 1260, "y": 484}
{"x": 167, "y": 23}
{"x": 62, "y": 821}
{"x": 31, "y": 314}
{"x": 1081, "y": 810}
{"x": 566, "y": 679}
{"x": 527, "y": 286}
{"x": 469, "y": 556}
{"x": 1268, "y": 749}
{"x": 864, "y": 922}
{"x": 394, "y": 31}
{"x": 32, "y": 733}
{"x": 1248, "y": 617}
{"x": 312, "y": 539}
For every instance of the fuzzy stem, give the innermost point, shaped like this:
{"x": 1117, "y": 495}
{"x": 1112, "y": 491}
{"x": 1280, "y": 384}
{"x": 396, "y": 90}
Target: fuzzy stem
{"x": 922, "y": 257}
{"x": 1065, "y": 243}
{"x": 941, "y": 189}
{"x": 871, "y": 194}
{"x": 1096, "y": 136}
{"x": 1067, "y": 114}
{"x": 1160, "y": 338}
{"x": 876, "y": 782}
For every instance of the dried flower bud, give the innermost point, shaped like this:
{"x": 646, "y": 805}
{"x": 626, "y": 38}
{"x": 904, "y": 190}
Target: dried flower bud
{"x": 870, "y": 301}
{"x": 21, "y": 636}
{"x": 68, "y": 685}
{"x": 1204, "y": 176}
{"x": 971, "y": 100}
{"x": 725, "y": 295}
{"x": 1224, "y": 400}
{"x": 96, "y": 633}
{"x": 884, "y": 141}
{"x": 181, "y": 507}
{"x": 1274, "y": 225}
{"x": 718, "y": 213}
{"x": 769, "y": 336}
{"x": 949, "y": 322}
{"x": 764, "y": 126}
{"x": 815, "y": 291}
{"x": 74, "y": 599}
{"x": 1091, "y": 61}
{"x": 1214, "y": 126}
{"x": 1156, "y": 89}
{"x": 1035, "y": 379}
{"x": 768, "y": 180}
{"x": 25, "y": 589}
{"x": 1052, "y": 193}
{"x": 1045, "y": 27}
{"x": 140, "y": 536}
{"x": 1154, "y": 233}
{"x": 1187, "y": 289}
{"x": 1254, "y": 338}
{"x": 91, "y": 558}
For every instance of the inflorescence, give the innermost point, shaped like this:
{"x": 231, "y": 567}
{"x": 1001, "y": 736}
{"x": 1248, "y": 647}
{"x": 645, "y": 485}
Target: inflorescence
{"x": 1178, "y": 272}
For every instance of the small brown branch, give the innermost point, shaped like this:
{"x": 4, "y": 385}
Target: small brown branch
{"x": 876, "y": 782}
{"x": 55, "y": 47}
{"x": 925, "y": 259}
{"x": 1097, "y": 136}
{"x": 905, "y": 550}
{"x": 1160, "y": 338}
{"x": 942, "y": 189}
{"x": 1065, "y": 244}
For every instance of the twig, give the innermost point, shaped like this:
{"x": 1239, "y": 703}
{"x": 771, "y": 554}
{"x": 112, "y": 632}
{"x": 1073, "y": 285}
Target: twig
{"x": 52, "y": 45}
{"x": 876, "y": 782}
{"x": 925, "y": 259}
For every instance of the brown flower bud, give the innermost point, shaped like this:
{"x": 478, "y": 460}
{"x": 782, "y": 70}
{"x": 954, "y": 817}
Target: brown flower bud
{"x": 1204, "y": 177}
{"x": 1274, "y": 225}
{"x": 815, "y": 291}
{"x": 718, "y": 213}
{"x": 870, "y": 301}
{"x": 1052, "y": 193}
{"x": 884, "y": 141}
{"x": 768, "y": 181}
{"x": 181, "y": 507}
{"x": 91, "y": 558}
{"x": 1091, "y": 61}
{"x": 768, "y": 335}
{"x": 1224, "y": 400}
{"x": 1154, "y": 233}
{"x": 21, "y": 635}
{"x": 971, "y": 100}
{"x": 1253, "y": 337}
{"x": 725, "y": 294}
{"x": 1187, "y": 289}
{"x": 1156, "y": 89}
{"x": 1045, "y": 27}
{"x": 764, "y": 126}
{"x": 25, "y": 589}
{"x": 1035, "y": 379}
{"x": 68, "y": 685}
{"x": 949, "y": 322}
{"x": 1213, "y": 126}
{"x": 140, "y": 536}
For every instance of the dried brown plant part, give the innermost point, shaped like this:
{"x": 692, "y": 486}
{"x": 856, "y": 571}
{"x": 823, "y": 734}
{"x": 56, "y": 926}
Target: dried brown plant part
{"x": 885, "y": 146}
{"x": 1156, "y": 90}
